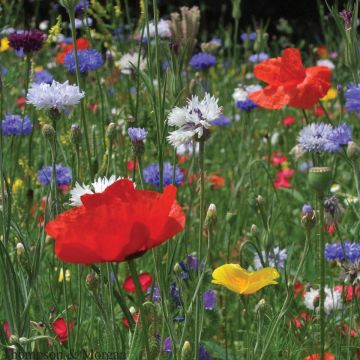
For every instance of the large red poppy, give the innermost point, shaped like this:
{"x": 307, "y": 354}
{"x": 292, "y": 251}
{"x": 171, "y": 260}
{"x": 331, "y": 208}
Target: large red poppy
{"x": 117, "y": 224}
{"x": 290, "y": 83}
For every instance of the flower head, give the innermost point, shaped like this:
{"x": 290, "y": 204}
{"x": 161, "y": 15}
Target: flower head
{"x": 56, "y": 96}
{"x": 61, "y": 329}
{"x": 289, "y": 83}
{"x": 258, "y": 58}
{"x": 276, "y": 258}
{"x": 352, "y": 97}
{"x": 237, "y": 279}
{"x": 221, "y": 121}
{"x": 163, "y": 28}
{"x": 117, "y": 224}
{"x": 152, "y": 174}
{"x": 63, "y": 175}
{"x": 16, "y": 125}
{"x": 202, "y": 61}
{"x": 327, "y": 356}
{"x": 347, "y": 252}
{"x": 27, "y": 41}
{"x": 209, "y": 300}
{"x": 88, "y": 60}
{"x": 341, "y": 135}
{"x": 81, "y": 6}
{"x": 137, "y": 134}
{"x": 193, "y": 120}
{"x": 43, "y": 76}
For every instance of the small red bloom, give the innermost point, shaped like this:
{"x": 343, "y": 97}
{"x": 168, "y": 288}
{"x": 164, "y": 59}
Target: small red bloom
{"x": 61, "y": 330}
{"x": 182, "y": 159}
{"x": 288, "y": 120}
{"x": 331, "y": 229}
{"x": 118, "y": 224}
{"x": 278, "y": 159}
{"x": 6, "y": 328}
{"x": 322, "y": 52}
{"x": 283, "y": 178}
{"x": 145, "y": 281}
{"x": 289, "y": 83}
{"x": 216, "y": 181}
{"x": 349, "y": 291}
{"x": 328, "y": 356}
{"x": 135, "y": 317}
{"x": 64, "y": 189}
{"x": 20, "y": 102}
{"x": 298, "y": 288}
{"x": 93, "y": 107}
{"x": 130, "y": 165}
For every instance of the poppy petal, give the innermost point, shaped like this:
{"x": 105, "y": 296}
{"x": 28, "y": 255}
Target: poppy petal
{"x": 271, "y": 97}
{"x": 292, "y": 68}
{"x": 269, "y": 71}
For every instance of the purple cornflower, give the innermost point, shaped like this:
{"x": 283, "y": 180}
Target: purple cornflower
{"x": 318, "y": 138}
{"x": 88, "y": 60}
{"x": 346, "y": 15}
{"x": 81, "y": 6}
{"x": 43, "y": 76}
{"x": 16, "y": 125}
{"x": 346, "y": 252}
{"x": 202, "y": 61}
{"x": 193, "y": 262}
{"x": 245, "y": 36}
{"x": 246, "y": 105}
{"x": 258, "y": 58}
{"x": 152, "y": 174}
{"x": 307, "y": 209}
{"x": 156, "y": 297}
{"x": 63, "y": 175}
{"x": 4, "y": 70}
{"x": 27, "y": 41}
{"x": 203, "y": 354}
{"x": 341, "y": 135}
{"x": 216, "y": 41}
{"x": 222, "y": 121}
{"x": 209, "y": 299}
{"x": 276, "y": 258}
{"x": 167, "y": 346}
{"x": 137, "y": 134}
{"x": 352, "y": 97}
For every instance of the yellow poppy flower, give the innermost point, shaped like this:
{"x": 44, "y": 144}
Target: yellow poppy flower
{"x": 237, "y": 279}
{"x": 4, "y": 44}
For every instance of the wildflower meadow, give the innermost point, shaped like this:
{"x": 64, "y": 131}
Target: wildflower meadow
{"x": 175, "y": 191}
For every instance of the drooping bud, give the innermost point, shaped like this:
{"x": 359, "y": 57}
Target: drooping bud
{"x": 186, "y": 353}
{"x": 230, "y": 217}
{"x": 333, "y": 210}
{"x": 254, "y": 229}
{"x": 260, "y": 200}
{"x": 20, "y": 250}
{"x": 211, "y": 217}
{"x": 177, "y": 268}
{"x": 111, "y": 131}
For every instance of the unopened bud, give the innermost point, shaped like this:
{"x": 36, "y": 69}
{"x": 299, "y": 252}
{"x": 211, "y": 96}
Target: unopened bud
{"x": 353, "y": 151}
{"x": 254, "y": 229}
{"x": 260, "y": 200}
{"x": 23, "y": 340}
{"x": 132, "y": 310}
{"x": 49, "y": 133}
{"x": 260, "y": 305}
{"x": 75, "y": 135}
{"x": 308, "y": 218}
{"x": 177, "y": 268}
{"x": 20, "y": 250}
{"x": 211, "y": 216}
{"x": 92, "y": 281}
{"x": 186, "y": 353}
{"x": 111, "y": 131}
{"x": 13, "y": 339}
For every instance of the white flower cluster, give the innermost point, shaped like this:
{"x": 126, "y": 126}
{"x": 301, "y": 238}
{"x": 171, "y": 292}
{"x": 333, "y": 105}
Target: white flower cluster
{"x": 333, "y": 300}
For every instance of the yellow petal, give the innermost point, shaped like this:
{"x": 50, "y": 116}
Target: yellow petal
{"x": 237, "y": 279}
{"x": 4, "y": 44}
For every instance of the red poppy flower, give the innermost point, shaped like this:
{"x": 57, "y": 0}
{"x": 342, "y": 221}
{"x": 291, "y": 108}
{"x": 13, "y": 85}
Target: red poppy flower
{"x": 328, "y": 356}
{"x": 299, "y": 288}
{"x": 289, "y": 83}
{"x": 145, "y": 281}
{"x": 61, "y": 330}
{"x": 288, "y": 120}
{"x": 283, "y": 178}
{"x": 216, "y": 181}
{"x": 331, "y": 229}
{"x": 117, "y": 224}
{"x": 6, "y": 328}
{"x": 278, "y": 159}
{"x": 135, "y": 317}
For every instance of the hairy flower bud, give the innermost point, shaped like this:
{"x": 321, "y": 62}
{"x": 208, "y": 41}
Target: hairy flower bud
{"x": 111, "y": 131}
{"x": 49, "y": 133}
{"x": 211, "y": 216}
{"x": 186, "y": 353}
{"x": 20, "y": 250}
{"x": 308, "y": 218}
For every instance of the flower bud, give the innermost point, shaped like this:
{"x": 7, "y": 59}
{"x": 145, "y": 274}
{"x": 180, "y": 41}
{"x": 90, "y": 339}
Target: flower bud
{"x": 177, "y": 268}
{"x": 75, "y": 135}
{"x": 92, "y": 281}
{"x": 186, "y": 353}
{"x": 260, "y": 200}
{"x": 308, "y": 218}
{"x": 69, "y": 5}
{"x": 353, "y": 151}
{"x": 320, "y": 179}
{"x": 333, "y": 210}
{"x": 20, "y": 250}
{"x": 111, "y": 131}
{"x": 49, "y": 133}
{"x": 211, "y": 216}
{"x": 254, "y": 229}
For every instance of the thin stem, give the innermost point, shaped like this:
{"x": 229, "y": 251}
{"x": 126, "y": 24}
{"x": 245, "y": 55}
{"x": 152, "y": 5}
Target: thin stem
{"x": 322, "y": 275}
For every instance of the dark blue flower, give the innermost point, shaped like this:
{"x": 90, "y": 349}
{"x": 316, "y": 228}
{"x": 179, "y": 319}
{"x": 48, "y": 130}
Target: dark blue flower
{"x": 88, "y": 59}
{"x": 81, "y": 6}
{"x": 246, "y": 105}
{"x": 193, "y": 262}
{"x": 16, "y": 125}
{"x": 43, "y": 76}
{"x": 167, "y": 347}
{"x": 346, "y": 252}
{"x": 341, "y": 135}
{"x": 152, "y": 174}
{"x": 352, "y": 97}
{"x": 222, "y": 120}
{"x": 63, "y": 175}
{"x": 202, "y": 61}
{"x": 137, "y": 134}
{"x": 209, "y": 300}
{"x": 258, "y": 58}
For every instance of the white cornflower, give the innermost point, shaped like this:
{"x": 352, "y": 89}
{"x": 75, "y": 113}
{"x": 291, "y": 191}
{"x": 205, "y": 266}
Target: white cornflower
{"x": 56, "y": 96}
{"x": 333, "y": 300}
{"x": 128, "y": 63}
{"x": 193, "y": 119}
{"x": 98, "y": 186}
{"x": 242, "y": 92}
{"x": 163, "y": 29}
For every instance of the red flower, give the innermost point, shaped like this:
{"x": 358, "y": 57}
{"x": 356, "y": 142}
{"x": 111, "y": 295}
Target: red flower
{"x": 289, "y": 83}
{"x": 298, "y": 288}
{"x": 135, "y": 317}
{"x": 20, "y": 102}
{"x": 349, "y": 291}
{"x": 283, "y": 178}
{"x": 278, "y": 159}
{"x": 145, "y": 281}
{"x": 117, "y": 224}
{"x": 331, "y": 229}
{"x": 216, "y": 181}
{"x": 288, "y": 120}
{"x": 6, "y": 328}
{"x": 130, "y": 165}
{"x": 61, "y": 330}
{"x": 182, "y": 159}
{"x": 328, "y": 356}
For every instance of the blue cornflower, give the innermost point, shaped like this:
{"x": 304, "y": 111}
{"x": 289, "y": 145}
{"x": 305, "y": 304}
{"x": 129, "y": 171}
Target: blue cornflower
{"x": 16, "y": 125}
{"x": 152, "y": 174}
{"x": 341, "y": 135}
{"x": 175, "y": 294}
{"x": 209, "y": 299}
{"x": 222, "y": 120}
{"x": 63, "y": 175}
{"x": 81, "y": 6}
{"x": 258, "y": 58}
{"x": 318, "y": 138}
{"x": 276, "y": 258}
{"x": 307, "y": 209}
{"x": 352, "y": 96}
{"x": 216, "y": 41}
{"x": 43, "y": 76}
{"x": 156, "y": 297}
{"x": 245, "y": 36}
{"x": 305, "y": 166}
{"x": 246, "y": 105}
{"x": 88, "y": 59}
{"x": 202, "y": 61}
{"x": 338, "y": 252}
{"x": 137, "y": 134}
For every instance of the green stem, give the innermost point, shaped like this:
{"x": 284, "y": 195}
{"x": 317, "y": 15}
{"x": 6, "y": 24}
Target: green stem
{"x": 322, "y": 275}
